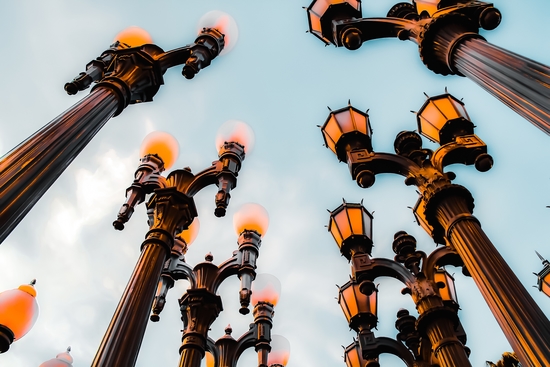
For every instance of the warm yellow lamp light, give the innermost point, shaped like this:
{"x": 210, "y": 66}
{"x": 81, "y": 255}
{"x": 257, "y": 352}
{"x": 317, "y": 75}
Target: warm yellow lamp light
{"x": 61, "y": 360}
{"x": 280, "y": 351}
{"x": 162, "y": 144}
{"x": 225, "y": 24}
{"x": 190, "y": 234}
{"x": 18, "y": 313}
{"x": 134, "y": 36}
{"x": 251, "y": 217}
{"x": 235, "y": 131}
{"x": 266, "y": 288}
{"x": 210, "y": 362}
{"x": 428, "y": 6}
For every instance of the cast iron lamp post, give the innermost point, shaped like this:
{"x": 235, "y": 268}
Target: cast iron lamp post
{"x": 444, "y": 209}
{"x": 124, "y": 74}
{"x": 436, "y": 334}
{"x": 171, "y": 209}
{"x": 18, "y": 313}
{"x": 543, "y": 276}
{"x": 447, "y": 34}
{"x": 201, "y": 305}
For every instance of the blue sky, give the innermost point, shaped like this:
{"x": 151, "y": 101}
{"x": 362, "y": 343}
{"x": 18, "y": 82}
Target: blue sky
{"x": 279, "y": 80}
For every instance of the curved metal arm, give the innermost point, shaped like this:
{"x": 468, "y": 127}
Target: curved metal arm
{"x": 440, "y": 257}
{"x": 379, "y": 267}
{"x": 466, "y": 149}
{"x": 373, "y": 28}
{"x": 372, "y": 347}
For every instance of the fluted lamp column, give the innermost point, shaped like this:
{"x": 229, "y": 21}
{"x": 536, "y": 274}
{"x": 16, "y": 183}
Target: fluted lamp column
{"x": 18, "y": 313}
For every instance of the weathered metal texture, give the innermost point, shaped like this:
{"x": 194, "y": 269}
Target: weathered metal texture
{"x": 522, "y": 321}
{"x": 28, "y": 170}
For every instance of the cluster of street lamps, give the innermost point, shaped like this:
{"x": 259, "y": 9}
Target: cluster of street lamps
{"x": 449, "y": 43}
{"x": 444, "y": 210}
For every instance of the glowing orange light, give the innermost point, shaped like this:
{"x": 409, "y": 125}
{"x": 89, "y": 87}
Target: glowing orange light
{"x": 162, "y": 144}
{"x": 235, "y": 131}
{"x": 280, "y": 351}
{"x": 134, "y": 36}
{"x": 19, "y": 310}
{"x": 209, "y": 359}
{"x": 225, "y": 24}
{"x": 252, "y": 217}
{"x": 190, "y": 233}
{"x": 266, "y": 288}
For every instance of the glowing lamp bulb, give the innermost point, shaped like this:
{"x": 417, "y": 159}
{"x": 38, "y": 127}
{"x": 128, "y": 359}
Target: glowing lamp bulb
{"x": 134, "y": 36}
{"x": 225, "y": 24}
{"x": 280, "y": 351}
{"x": 61, "y": 360}
{"x": 235, "y": 131}
{"x": 209, "y": 359}
{"x": 162, "y": 144}
{"x": 251, "y": 217}
{"x": 189, "y": 235}
{"x": 19, "y": 310}
{"x": 265, "y": 288}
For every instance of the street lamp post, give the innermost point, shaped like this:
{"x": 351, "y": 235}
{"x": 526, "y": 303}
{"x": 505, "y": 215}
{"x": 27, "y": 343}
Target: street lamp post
{"x": 447, "y": 34}
{"x": 171, "y": 209}
{"x": 436, "y": 334}
{"x": 124, "y": 74}
{"x": 201, "y": 305}
{"x": 445, "y": 210}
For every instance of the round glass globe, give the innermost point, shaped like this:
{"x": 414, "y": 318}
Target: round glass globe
{"x": 235, "y": 131}
{"x": 162, "y": 144}
{"x": 19, "y": 310}
{"x": 61, "y": 360}
{"x": 190, "y": 234}
{"x": 265, "y": 288}
{"x": 134, "y": 36}
{"x": 280, "y": 350}
{"x": 251, "y": 217}
{"x": 224, "y": 23}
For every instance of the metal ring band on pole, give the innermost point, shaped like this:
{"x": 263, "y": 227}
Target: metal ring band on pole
{"x": 458, "y": 218}
{"x": 443, "y": 342}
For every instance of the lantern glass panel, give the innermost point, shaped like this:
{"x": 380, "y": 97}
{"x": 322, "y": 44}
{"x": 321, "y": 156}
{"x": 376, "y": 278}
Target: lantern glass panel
{"x": 430, "y": 122}
{"x": 352, "y": 356}
{"x": 335, "y": 232}
{"x": 345, "y": 121}
{"x": 448, "y": 292}
{"x": 315, "y": 22}
{"x": 545, "y": 285}
{"x": 342, "y": 222}
{"x": 367, "y": 224}
{"x": 361, "y": 122}
{"x": 356, "y": 219}
{"x": 460, "y": 109}
{"x": 446, "y": 107}
{"x": 332, "y": 129}
{"x": 348, "y": 301}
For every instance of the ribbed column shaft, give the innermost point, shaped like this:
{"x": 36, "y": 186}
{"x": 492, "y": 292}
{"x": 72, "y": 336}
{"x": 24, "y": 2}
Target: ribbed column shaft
{"x": 522, "y": 321}
{"x": 520, "y": 83}
{"x": 448, "y": 350}
{"x": 122, "y": 341}
{"x": 190, "y": 357}
{"x": 28, "y": 170}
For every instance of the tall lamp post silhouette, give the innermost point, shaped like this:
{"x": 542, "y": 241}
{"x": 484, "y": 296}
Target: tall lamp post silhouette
{"x": 437, "y": 333}
{"x": 18, "y": 313}
{"x": 171, "y": 209}
{"x": 447, "y": 34}
{"x": 444, "y": 209}
{"x": 130, "y": 71}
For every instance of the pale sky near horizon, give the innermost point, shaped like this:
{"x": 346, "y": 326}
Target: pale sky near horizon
{"x": 278, "y": 79}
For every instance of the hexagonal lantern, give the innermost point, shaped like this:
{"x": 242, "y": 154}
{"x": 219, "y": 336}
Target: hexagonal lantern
{"x": 442, "y": 118}
{"x": 351, "y": 226}
{"x": 360, "y": 309}
{"x": 543, "y": 281}
{"x": 321, "y": 13}
{"x": 353, "y": 357}
{"x": 446, "y": 284}
{"x": 347, "y": 129}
